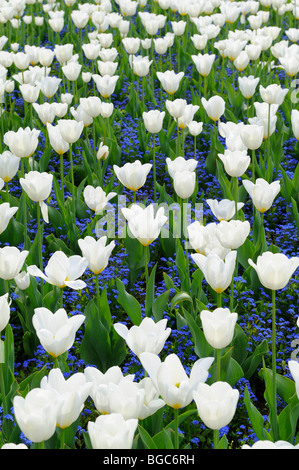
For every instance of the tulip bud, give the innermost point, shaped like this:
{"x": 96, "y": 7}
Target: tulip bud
{"x": 184, "y": 183}
{"x": 218, "y": 326}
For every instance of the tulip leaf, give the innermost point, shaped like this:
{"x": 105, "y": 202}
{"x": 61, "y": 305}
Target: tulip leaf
{"x": 256, "y": 418}
{"x": 101, "y": 345}
{"x": 159, "y": 305}
{"x": 129, "y": 303}
{"x": 146, "y": 438}
{"x": 178, "y": 298}
{"x": 252, "y": 362}
{"x": 150, "y": 292}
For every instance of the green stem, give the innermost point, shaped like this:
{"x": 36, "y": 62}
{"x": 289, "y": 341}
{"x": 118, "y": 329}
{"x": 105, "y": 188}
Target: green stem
{"x": 218, "y": 357}
{"x": 62, "y": 176}
{"x": 274, "y": 390}
{"x": 72, "y": 179}
{"x": 176, "y": 428}
{"x": 98, "y": 290}
{"x": 146, "y": 266}
{"x": 154, "y": 165}
{"x": 219, "y": 299}
{"x": 253, "y": 165}
{"x": 236, "y": 196}
{"x": 216, "y": 438}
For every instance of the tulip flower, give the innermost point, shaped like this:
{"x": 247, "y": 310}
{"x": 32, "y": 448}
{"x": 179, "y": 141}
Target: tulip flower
{"x": 184, "y": 183}
{"x": 62, "y": 271}
{"x": 91, "y": 105}
{"x": 6, "y": 213}
{"x": 180, "y": 164}
{"x": 11, "y": 261}
{"x": 203, "y": 239}
{"x": 294, "y": 122}
{"x": 218, "y": 273}
{"x": 273, "y": 94}
{"x": 56, "y": 331}
{"x": 80, "y": 115}
{"x": 176, "y": 107}
{"x": 63, "y": 52}
{"x": 29, "y": 92}
{"x": 106, "y": 84}
{"x": 170, "y": 81}
{"x": 36, "y": 414}
{"x": 294, "y": 369}
{"x": 233, "y": 234}
{"x": 146, "y": 337}
{"x": 45, "y": 112}
{"x": 49, "y": 85}
{"x": 224, "y": 209}
{"x": 216, "y": 404}
{"x": 22, "y": 280}
{"x": 112, "y": 432}
{"x": 23, "y": 142}
{"x": 252, "y": 136}
{"x": 214, "y": 107}
{"x": 70, "y": 130}
{"x": 247, "y": 85}
{"x": 140, "y": 65}
{"x": 153, "y": 120}
{"x": 270, "y": 445}
{"x": 203, "y": 63}
{"x": 71, "y": 393}
{"x": 97, "y": 254}
{"x": 235, "y": 162}
{"x": 143, "y": 223}
{"x": 38, "y": 187}
{"x": 4, "y": 311}
{"x": 262, "y": 193}
{"x": 9, "y": 165}
{"x": 96, "y": 198}
{"x": 11, "y": 445}
{"x": 218, "y": 326}
{"x": 133, "y": 175}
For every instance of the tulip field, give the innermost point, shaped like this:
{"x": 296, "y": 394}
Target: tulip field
{"x": 149, "y": 217}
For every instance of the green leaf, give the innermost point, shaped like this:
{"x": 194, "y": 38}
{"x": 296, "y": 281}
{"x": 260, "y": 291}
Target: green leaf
{"x": 146, "y": 438}
{"x": 178, "y": 298}
{"x": 129, "y": 303}
{"x": 159, "y": 305}
{"x": 150, "y": 292}
{"x": 256, "y": 418}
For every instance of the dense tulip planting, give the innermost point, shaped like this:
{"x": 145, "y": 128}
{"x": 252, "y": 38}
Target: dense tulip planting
{"x": 149, "y": 223}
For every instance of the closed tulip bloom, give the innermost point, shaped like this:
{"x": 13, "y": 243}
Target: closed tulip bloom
{"x": 179, "y": 164}
{"x": 273, "y": 94}
{"x": 56, "y": 141}
{"x": 217, "y": 272}
{"x": 187, "y": 116}
{"x": 107, "y": 68}
{"x": 235, "y": 162}
{"x": 80, "y": 115}
{"x": 91, "y": 105}
{"x": 274, "y": 270}
{"x": 103, "y": 152}
{"x": 38, "y": 187}
{"x": 4, "y": 311}
{"x": 290, "y": 64}
{"x": 294, "y": 369}
{"x": 199, "y": 41}
{"x": 29, "y": 92}
{"x": 176, "y": 108}
{"x": 56, "y": 24}
{"x": 62, "y": 271}
{"x": 195, "y": 128}
{"x": 45, "y": 112}
{"x": 270, "y": 445}
{"x": 56, "y": 331}
{"x": 112, "y": 432}
{"x": 153, "y": 120}
{"x": 216, "y": 404}
{"x": 203, "y": 63}
{"x": 106, "y": 110}
{"x": 140, "y": 65}
{"x": 247, "y": 85}
{"x": 149, "y": 336}
{"x": 9, "y": 165}
{"x": 6, "y": 213}
{"x": 22, "y": 280}
{"x": 106, "y": 84}
{"x": 143, "y": 223}
{"x": 161, "y": 45}
{"x": 60, "y": 109}
{"x": 214, "y": 107}
{"x": 22, "y": 142}
{"x": 295, "y": 123}
{"x": 184, "y": 183}
{"x": 11, "y": 261}
{"x": 72, "y": 70}
{"x": 96, "y": 198}
{"x": 63, "y": 52}
{"x": 262, "y": 193}
{"x": 233, "y": 234}
{"x": 70, "y": 129}
{"x": 224, "y": 209}
{"x": 45, "y": 56}
{"x": 218, "y": 326}
{"x": 133, "y": 175}
{"x": 80, "y": 18}
{"x": 91, "y": 50}
{"x": 170, "y": 379}
{"x": 252, "y": 136}
{"x": 170, "y": 80}
{"x": 49, "y": 85}
{"x": 71, "y": 393}
{"x": 21, "y": 60}
{"x": 131, "y": 45}
{"x": 36, "y": 414}
{"x": 11, "y": 445}
{"x": 96, "y": 252}
{"x": 241, "y": 61}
